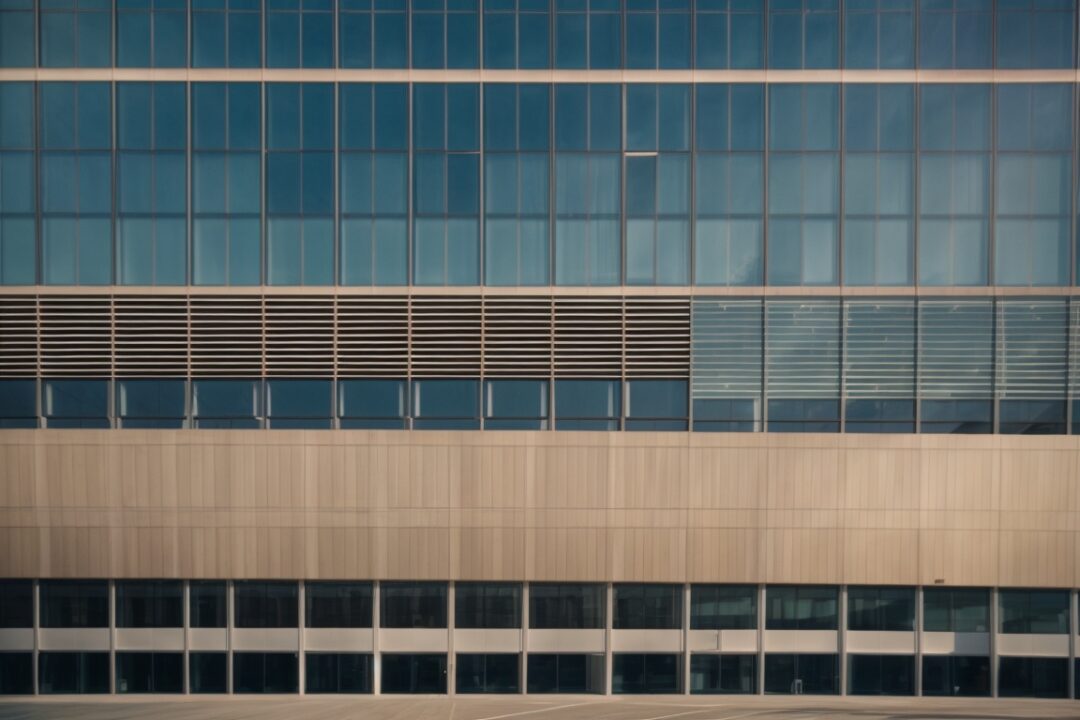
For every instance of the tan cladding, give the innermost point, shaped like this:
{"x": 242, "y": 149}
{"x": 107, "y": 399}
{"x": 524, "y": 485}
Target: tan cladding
{"x": 673, "y": 507}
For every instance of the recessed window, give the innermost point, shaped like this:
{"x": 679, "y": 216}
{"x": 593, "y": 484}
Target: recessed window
{"x": 412, "y": 605}
{"x": 71, "y": 673}
{"x": 881, "y": 675}
{"x": 487, "y": 605}
{"x": 723, "y": 607}
{"x": 723, "y": 674}
{"x": 801, "y": 607}
{"x": 571, "y": 606}
{"x": 961, "y": 675}
{"x": 266, "y": 604}
{"x": 491, "y": 673}
{"x": 634, "y": 673}
{"x": 149, "y": 604}
{"x": 74, "y": 604}
{"x": 207, "y": 672}
{"x": 956, "y": 610}
{"x": 149, "y": 672}
{"x": 337, "y": 605}
{"x": 881, "y": 609}
{"x": 255, "y": 672}
{"x": 648, "y": 607}
{"x": 566, "y": 673}
{"x": 208, "y": 604}
{"x": 802, "y": 674}
{"x": 337, "y": 673}
{"x": 423, "y": 673}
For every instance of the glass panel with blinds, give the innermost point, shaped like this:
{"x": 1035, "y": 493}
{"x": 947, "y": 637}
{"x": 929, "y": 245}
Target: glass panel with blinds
{"x": 956, "y": 366}
{"x": 802, "y": 361}
{"x": 726, "y": 369}
{"x": 879, "y": 366}
{"x": 1031, "y": 357}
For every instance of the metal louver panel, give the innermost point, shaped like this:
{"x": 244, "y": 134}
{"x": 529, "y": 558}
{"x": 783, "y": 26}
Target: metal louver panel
{"x": 802, "y": 348}
{"x": 151, "y": 336}
{"x": 373, "y": 336}
{"x": 658, "y": 337}
{"x": 76, "y": 336}
{"x": 588, "y": 337}
{"x": 726, "y": 351}
{"x": 517, "y": 337}
{"x": 1032, "y": 348}
{"x": 956, "y": 349}
{"x": 226, "y": 336}
{"x": 299, "y": 336}
{"x": 1074, "y": 347}
{"x": 18, "y": 336}
{"x": 879, "y": 349}
{"x": 446, "y": 336}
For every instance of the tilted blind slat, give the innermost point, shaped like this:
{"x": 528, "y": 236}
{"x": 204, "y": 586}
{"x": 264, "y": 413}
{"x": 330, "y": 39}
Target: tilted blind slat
{"x": 879, "y": 349}
{"x": 802, "y": 346}
{"x": 1031, "y": 348}
{"x": 726, "y": 352}
{"x": 956, "y": 353}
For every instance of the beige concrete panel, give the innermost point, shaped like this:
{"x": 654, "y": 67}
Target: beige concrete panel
{"x": 567, "y": 554}
{"x": 1036, "y": 558}
{"x": 487, "y": 553}
{"x": 803, "y": 478}
{"x": 881, "y": 556}
{"x": 800, "y": 555}
{"x": 647, "y": 554}
{"x": 958, "y": 557}
{"x": 881, "y": 478}
{"x": 959, "y": 479}
{"x": 724, "y": 555}
{"x": 727, "y": 477}
{"x": 1039, "y": 480}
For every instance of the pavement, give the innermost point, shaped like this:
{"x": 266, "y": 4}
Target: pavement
{"x": 563, "y": 707}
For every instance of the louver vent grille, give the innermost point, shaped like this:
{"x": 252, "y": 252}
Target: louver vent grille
{"x": 299, "y": 336}
{"x": 446, "y": 334}
{"x": 18, "y": 336}
{"x": 76, "y": 336}
{"x": 727, "y": 349}
{"x": 1032, "y": 346}
{"x": 373, "y": 337}
{"x": 956, "y": 358}
{"x": 657, "y": 337}
{"x": 517, "y": 337}
{"x": 226, "y": 336}
{"x": 151, "y": 336}
{"x": 879, "y": 349}
{"x": 588, "y": 337}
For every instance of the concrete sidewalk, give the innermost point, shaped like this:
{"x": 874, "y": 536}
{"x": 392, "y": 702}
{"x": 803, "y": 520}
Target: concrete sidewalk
{"x": 567, "y": 707}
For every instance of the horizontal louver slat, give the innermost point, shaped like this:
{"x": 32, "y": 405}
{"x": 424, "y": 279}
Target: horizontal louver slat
{"x": 726, "y": 352}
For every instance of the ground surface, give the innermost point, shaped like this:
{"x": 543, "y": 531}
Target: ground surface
{"x": 532, "y": 708}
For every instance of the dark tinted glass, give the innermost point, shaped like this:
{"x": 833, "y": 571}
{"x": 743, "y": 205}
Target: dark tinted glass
{"x": 656, "y": 405}
{"x": 266, "y": 605}
{"x": 648, "y": 607}
{"x": 414, "y": 673}
{"x": 18, "y": 403}
{"x": 208, "y": 605}
{"x": 76, "y": 403}
{"x": 881, "y": 674}
{"x": 207, "y": 672}
{"x": 16, "y": 604}
{"x": 1034, "y": 611}
{"x": 956, "y": 675}
{"x": 588, "y": 404}
{"x": 151, "y": 403}
{"x": 338, "y": 605}
{"x": 723, "y": 607}
{"x": 337, "y": 673}
{"x": 571, "y": 606}
{"x": 515, "y": 404}
{"x": 645, "y": 673}
{"x": 872, "y": 608}
{"x": 956, "y": 610}
{"x": 372, "y": 403}
{"x": 148, "y": 672}
{"x": 73, "y": 672}
{"x": 16, "y": 673}
{"x": 800, "y": 608}
{"x": 299, "y": 403}
{"x": 487, "y": 605}
{"x": 1033, "y": 677}
{"x": 149, "y": 604}
{"x": 412, "y": 605}
{"x": 566, "y": 673}
{"x": 496, "y": 673}
{"x": 802, "y": 674}
{"x": 74, "y": 604}
{"x": 723, "y": 673}
{"x": 226, "y": 403}
{"x": 265, "y": 672}
{"x": 446, "y": 404}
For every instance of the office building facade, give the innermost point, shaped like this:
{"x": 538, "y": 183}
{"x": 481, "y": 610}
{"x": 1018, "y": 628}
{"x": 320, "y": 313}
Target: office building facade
{"x": 539, "y": 346}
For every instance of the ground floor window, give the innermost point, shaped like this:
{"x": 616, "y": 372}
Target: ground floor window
{"x": 566, "y": 673}
{"x": 16, "y": 673}
{"x": 265, "y": 672}
{"x": 961, "y": 675}
{"x": 881, "y": 675}
{"x": 802, "y": 674}
{"x": 207, "y": 672}
{"x": 73, "y": 672}
{"x": 425, "y": 673}
{"x": 645, "y": 673}
{"x": 149, "y": 672}
{"x": 494, "y": 673}
{"x": 337, "y": 673}
{"x": 723, "y": 673}
{"x": 1033, "y": 677}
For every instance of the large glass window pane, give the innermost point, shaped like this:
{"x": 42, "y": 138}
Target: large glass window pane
{"x": 645, "y": 673}
{"x": 265, "y": 605}
{"x": 955, "y": 34}
{"x": 372, "y": 403}
{"x": 723, "y": 674}
{"x": 487, "y": 605}
{"x": 207, "y": 672}
{"x": 18, "y": 404}
{"x": 151, "y": 403}
{"x": 879, "y": 35}
{"x": 723, "y": 607}
{"x": 802, "y": 674}
{"x": 648, "y": 607}
{"x": 149, "y": 672}
{"x": 299, "y": 403}
{"x": 961, "y": 675}
{"x": 16, "y": 669}
{"x": 74, "y": 603}
{"x": 226, "y": 403}
{"x": 566, "y": 673}
{"x": 802, "y": 391}
{"x": 338, "y": 673}
{"x": 1033, "y": 677}
{"x": 421, "y": 673}
{"x": 67, "y": 673}
{"x": 149, "y": 604}
{"x": 491, "y": 673}
{"x": 412, "y": 605}
{"x": 1034, "y": 611}
{"x": 802, "y": 607}
{"x": 208, "y": 604}
{"x": 959, "y": 610}
{"x": 76, "y": 403}
{"x": 569, "y": 606}
{"x": 588, "y": 404}
{"x": 446, "y": 404}
{"x": 256, "y": 672}
{"x": 337, "y": 605}
{"x": 1035, "y": 34}
{"x": 881, "y": 609}
{"x": 515, "y": 404}
{"x": 656, "y": 404}
{"x": 16, "y": 604}
{"x": 881, "y": 674}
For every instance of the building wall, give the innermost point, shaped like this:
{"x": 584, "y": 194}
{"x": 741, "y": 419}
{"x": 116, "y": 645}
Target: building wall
{"x": 660, "y": 507}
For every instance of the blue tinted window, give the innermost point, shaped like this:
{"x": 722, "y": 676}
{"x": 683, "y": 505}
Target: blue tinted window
{"x": 955, "y": 34}
{"x": 445, "y": 35}
{"x": 151, "y": 403}
{"x": 18, "y": 404}
{"x": 17, "y": 34}
{"x": 372, "y": 403}
{"x": 804, "y": 34}
{"x": 879, "y": 34}
{"x": 226, "y": 34}
{"x": 75, "y": 403}
{"x": 588, "y": 404}
{"x": 151, "y": 36}
{"x": 656, "y": 405}
{"x": 76, "y": 34}
{"x": 729, "y": 36}
{"x": 1035, "y": 34}
{"x": 446, "y": 404}
{"x": 516, "y": 39}
{"x": 226, "y": 403}
{"x": 515, "y": 404}
{"x": 299, "y": 37}
{"x": 299, "y": 403}
{"x": 17, "y": 185}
